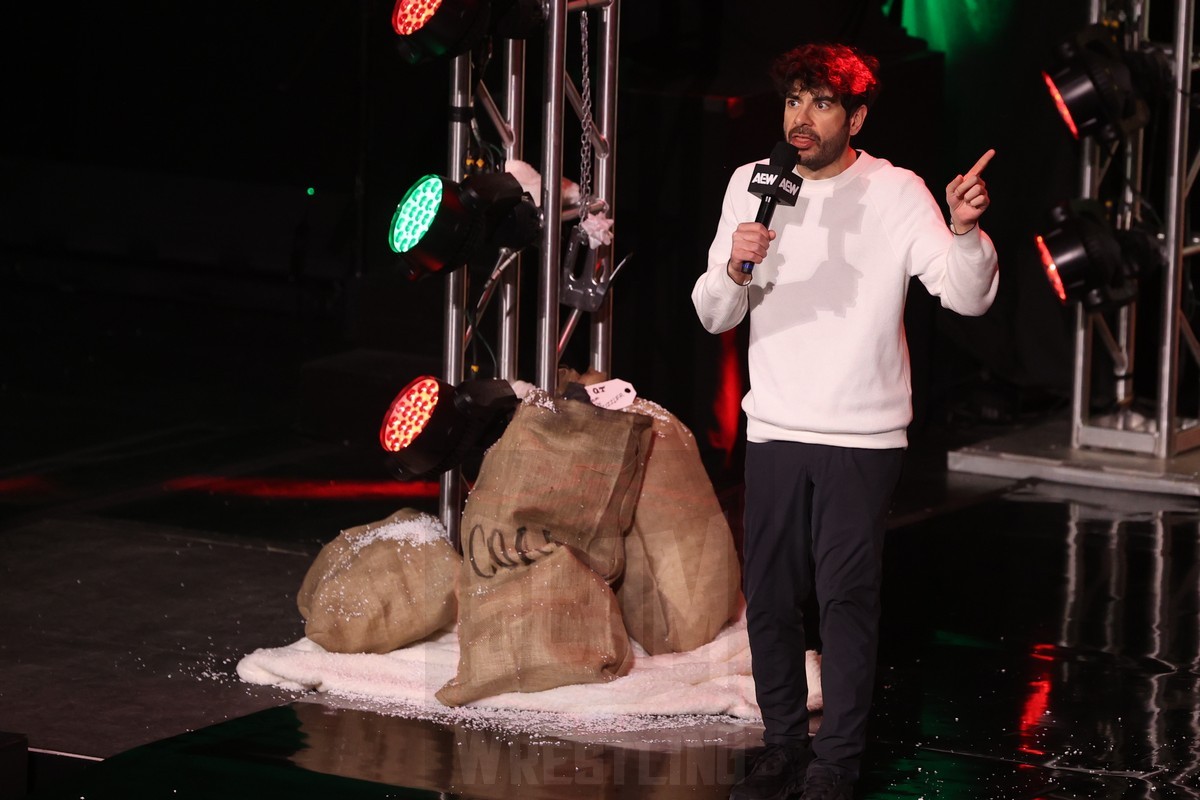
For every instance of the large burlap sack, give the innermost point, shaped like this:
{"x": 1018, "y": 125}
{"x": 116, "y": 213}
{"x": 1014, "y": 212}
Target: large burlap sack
{"x": 682, "y": 576}
{"x": 381, "y": 586}
{"x": 546, "y": 621}
{"x": 567, "y": 470}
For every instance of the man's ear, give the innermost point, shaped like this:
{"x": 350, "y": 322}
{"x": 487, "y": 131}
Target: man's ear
{"x": 856, "y": 120}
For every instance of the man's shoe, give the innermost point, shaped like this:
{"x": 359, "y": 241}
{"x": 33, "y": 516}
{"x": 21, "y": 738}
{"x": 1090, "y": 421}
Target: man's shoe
{"x": 822, "y": 783}
{"x": 777, "y": 773}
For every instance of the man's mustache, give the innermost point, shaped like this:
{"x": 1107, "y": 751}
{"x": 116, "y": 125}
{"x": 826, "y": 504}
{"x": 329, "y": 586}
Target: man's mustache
{"x": 808, "y": 132}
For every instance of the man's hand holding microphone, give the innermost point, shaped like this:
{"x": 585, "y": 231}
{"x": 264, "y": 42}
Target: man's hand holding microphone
{"x": 777, "y": 184}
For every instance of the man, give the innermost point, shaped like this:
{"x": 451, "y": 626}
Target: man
{"x": 830, "y": 398}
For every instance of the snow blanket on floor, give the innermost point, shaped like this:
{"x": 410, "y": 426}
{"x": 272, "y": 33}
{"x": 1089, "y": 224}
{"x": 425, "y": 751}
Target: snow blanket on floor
{"x": 711, "y": 680}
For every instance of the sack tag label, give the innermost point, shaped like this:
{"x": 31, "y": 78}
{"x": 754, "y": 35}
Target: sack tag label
{"x": 613, "y": 395}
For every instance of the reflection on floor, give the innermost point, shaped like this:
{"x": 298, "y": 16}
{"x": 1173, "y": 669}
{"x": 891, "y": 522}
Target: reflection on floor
{"x": 1040, "y": 640}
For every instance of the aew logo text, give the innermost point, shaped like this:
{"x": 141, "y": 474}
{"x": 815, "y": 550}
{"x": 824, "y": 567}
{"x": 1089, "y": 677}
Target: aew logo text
{"x": 766, "y": 178}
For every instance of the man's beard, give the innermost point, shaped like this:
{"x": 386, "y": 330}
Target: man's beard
{"x": 827, "y": 150}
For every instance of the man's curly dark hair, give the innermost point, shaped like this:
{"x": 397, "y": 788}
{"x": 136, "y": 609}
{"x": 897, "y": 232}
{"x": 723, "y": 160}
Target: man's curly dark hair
{"x": 851, "y": 75}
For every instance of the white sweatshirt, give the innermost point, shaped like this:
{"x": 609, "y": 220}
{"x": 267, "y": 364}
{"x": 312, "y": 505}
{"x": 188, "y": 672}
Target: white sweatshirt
{"x": 828, "y": 358}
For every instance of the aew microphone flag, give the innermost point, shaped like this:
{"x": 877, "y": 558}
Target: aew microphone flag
{"x": 767, "y": 181}
{"x": 776, "y": 183}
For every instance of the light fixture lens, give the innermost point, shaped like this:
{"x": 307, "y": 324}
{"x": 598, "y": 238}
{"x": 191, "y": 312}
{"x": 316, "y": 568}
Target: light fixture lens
{"x": 1051, "y": 270}
{"x": 1060, "y": 104}
{"x": 1087, "y": 261}
{"x": 409, "y": 414}
{"x": 409, "y": 16}
{"x": 415, "y": 214}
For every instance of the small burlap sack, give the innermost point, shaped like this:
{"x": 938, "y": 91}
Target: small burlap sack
{"x": 548, "y": 621}
{"x": 564, "y": 469}
{"x": 381, "y": 586}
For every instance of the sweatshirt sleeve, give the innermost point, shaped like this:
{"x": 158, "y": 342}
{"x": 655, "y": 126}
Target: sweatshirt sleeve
{"x": 720, "y": 303}
{"x": 961, "y": 270}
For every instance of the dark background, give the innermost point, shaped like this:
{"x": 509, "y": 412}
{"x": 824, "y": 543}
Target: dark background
{"x": 156, "y": 224}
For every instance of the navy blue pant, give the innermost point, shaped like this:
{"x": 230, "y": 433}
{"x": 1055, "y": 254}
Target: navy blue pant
{"x": 815, "y": 518}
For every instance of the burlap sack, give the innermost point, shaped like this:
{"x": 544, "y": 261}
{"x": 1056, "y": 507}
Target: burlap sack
{"x": 381, "y": 586}
{"x": 682, "y": 576}
{"x": 548, "y": 621}
{"x": 566, "y": 470}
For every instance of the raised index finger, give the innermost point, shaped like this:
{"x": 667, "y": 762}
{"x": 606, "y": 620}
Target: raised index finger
{"x": 980, "y": 164}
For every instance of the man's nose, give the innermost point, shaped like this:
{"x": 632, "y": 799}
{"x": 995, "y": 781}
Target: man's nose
{"x": 801, "y": 115}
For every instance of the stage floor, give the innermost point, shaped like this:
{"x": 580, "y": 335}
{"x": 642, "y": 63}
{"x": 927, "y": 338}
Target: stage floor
{"x": 1040, "y": 640}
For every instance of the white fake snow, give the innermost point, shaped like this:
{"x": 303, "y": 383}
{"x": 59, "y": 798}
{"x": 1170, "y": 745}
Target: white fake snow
{"x": 664, "y": 691}
{"x": 421, "y": 529}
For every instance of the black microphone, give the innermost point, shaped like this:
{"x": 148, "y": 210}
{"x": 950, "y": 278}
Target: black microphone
{"x": 776, "y": 183}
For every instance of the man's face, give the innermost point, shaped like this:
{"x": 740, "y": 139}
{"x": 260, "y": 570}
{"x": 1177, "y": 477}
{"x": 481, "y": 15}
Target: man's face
{"x": 816, "y": 124}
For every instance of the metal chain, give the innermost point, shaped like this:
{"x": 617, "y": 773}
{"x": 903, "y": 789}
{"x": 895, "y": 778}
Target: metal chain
{"x": 585, "y": 145}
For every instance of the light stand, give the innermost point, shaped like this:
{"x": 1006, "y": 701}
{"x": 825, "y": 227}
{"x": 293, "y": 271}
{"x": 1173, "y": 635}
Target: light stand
{"x": 1125, "y": 449}
{"x": 465, "y": 92}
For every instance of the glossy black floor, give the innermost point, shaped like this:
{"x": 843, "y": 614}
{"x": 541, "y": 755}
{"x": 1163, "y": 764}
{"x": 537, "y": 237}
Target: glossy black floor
{"x": 159, "y": 505}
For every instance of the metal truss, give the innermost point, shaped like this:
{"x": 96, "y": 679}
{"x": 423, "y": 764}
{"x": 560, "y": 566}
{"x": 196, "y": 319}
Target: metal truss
{"x": 1166, "y": 433}
{"x": 509, "y": 117}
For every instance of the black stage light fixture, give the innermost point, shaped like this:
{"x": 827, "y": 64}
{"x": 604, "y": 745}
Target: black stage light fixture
{"x": 441, "y": 225}
{"x": 432, "y": 427}
{"x": 432, "y": 29}
{"x": 1093, "y": 87}
{"x": 1086, "y": 261}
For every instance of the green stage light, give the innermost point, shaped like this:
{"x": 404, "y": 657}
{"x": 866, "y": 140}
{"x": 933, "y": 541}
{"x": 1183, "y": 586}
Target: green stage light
{"x": 416, "y": 213}
{"x": 440, "y": 225}
{"x": 432, "y": 230}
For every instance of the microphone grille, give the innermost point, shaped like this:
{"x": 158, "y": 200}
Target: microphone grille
{"x": 784, "y": 156}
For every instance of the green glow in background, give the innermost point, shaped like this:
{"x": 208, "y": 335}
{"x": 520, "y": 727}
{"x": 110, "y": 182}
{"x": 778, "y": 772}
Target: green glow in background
{"x": 956, "y": 27}
{"x": 982, "y": 70}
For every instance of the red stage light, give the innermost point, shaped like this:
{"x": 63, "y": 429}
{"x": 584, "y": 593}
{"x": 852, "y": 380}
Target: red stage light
{"x": 1086, "y": 260}
{"x": 1060, "y": 104}
{"x": 434, "y": 29}
{"x": 433, "y": 426}
{"x": 1096, "y": 88}
{"x": 1051, "y": 270}
{"x": 409, "y": 16}
{"x": 408, "y": 415}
